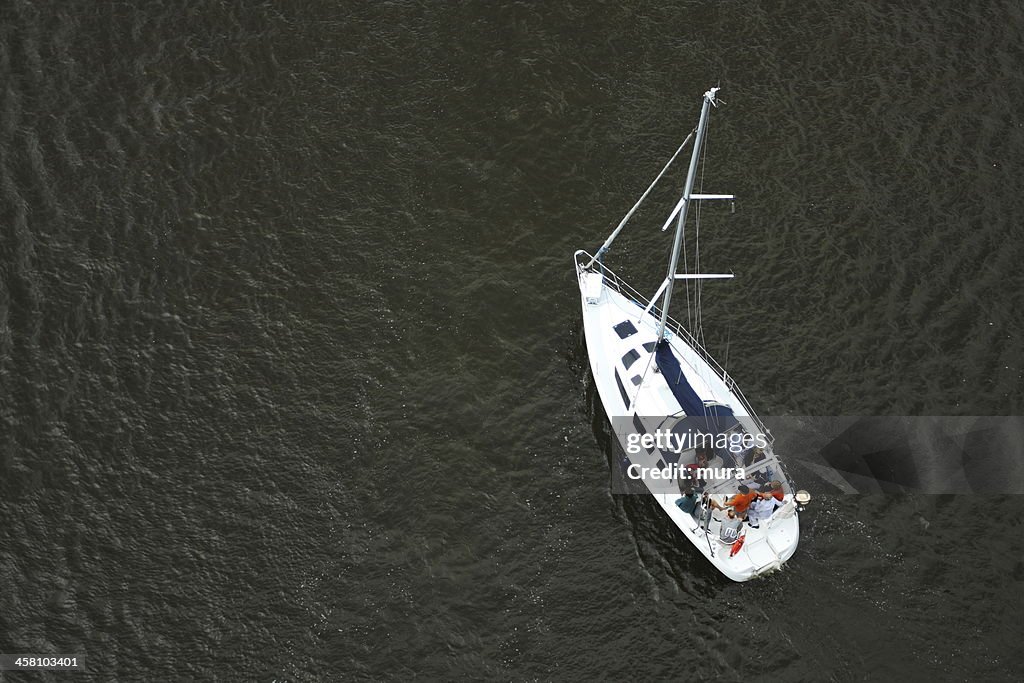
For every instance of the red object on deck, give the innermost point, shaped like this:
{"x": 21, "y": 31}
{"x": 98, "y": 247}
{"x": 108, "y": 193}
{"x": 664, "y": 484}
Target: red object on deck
{"x": 737, "y": 545}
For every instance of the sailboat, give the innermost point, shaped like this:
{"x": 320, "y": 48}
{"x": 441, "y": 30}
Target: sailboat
{"x": 683, "y": 423}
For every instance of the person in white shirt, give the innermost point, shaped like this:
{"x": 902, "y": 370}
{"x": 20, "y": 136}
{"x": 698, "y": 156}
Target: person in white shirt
{"x": 761, "y": 510}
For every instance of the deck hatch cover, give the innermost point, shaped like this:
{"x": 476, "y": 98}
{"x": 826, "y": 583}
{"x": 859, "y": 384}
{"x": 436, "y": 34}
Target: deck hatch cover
{"x": 624, "y": 329}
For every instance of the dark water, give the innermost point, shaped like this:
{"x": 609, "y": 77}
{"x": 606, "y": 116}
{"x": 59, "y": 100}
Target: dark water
{"x": 292, "y": 382}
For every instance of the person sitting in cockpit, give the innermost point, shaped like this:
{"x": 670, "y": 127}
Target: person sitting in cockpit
{"x": 761, "y": 509}
{"x": 730, "y": 529}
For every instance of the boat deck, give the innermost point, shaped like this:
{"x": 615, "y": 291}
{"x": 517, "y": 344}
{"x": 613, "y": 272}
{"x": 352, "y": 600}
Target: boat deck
{"x": 621, "y": 341}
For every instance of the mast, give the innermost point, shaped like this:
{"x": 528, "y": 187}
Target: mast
{"x": 684, "y": 203}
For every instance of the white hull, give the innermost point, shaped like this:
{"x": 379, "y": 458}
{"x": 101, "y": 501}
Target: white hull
{"x": 607, "y": 302}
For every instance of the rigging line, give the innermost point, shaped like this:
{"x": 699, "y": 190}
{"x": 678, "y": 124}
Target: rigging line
{"x": 686, "y": 283}
{"x": 696, "y": 268}
{"x": 697, "y": 286}
{"x": 700, "y": 287}
{"x": 691, "y": 319}
{"x": 691, "y": 311}
{"x": 698, "y": 331}
{"x": 704, "y": 162}
{"x": 728, "y": 341}
{"x": 615, "y": 233}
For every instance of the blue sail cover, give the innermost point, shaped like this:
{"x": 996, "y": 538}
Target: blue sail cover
{"x": 689, "y": 401}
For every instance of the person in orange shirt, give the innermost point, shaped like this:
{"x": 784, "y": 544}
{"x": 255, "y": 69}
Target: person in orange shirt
{"x": 740, "y": 502}
{"x": 775, "y": 491}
